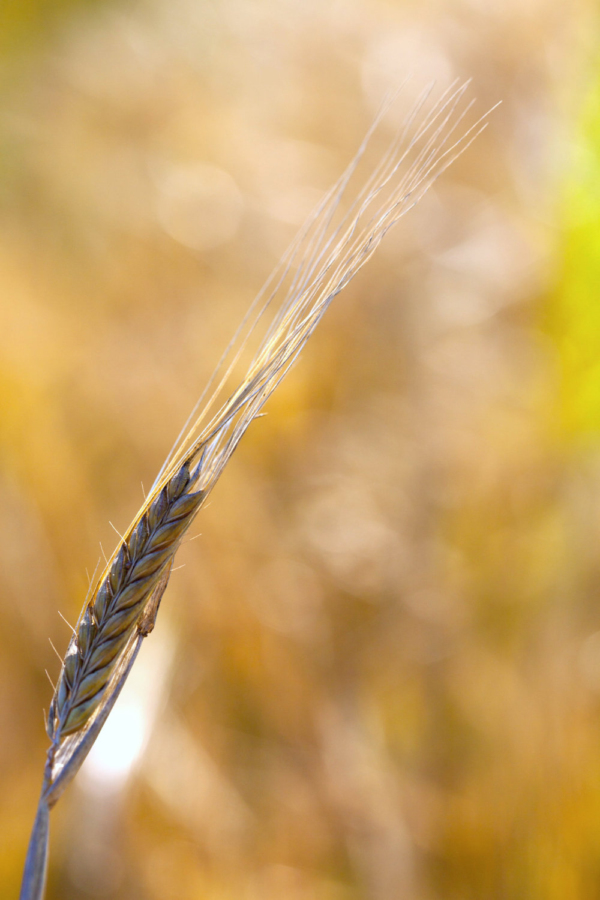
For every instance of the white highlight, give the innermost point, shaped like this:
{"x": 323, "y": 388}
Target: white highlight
{"x": 120, "y": 743}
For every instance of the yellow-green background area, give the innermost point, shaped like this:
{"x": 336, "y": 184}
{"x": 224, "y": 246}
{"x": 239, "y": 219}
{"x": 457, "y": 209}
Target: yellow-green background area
{"x": 378, "y": 673}
{"x": 574, "y": 324}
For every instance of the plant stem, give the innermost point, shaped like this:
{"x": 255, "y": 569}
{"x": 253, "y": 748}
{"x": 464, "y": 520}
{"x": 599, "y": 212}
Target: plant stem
{"x": 36, "y": 862}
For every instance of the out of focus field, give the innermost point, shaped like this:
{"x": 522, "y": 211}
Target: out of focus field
{"x": 377, "y": 676}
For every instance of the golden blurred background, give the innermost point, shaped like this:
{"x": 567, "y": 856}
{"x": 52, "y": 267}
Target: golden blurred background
{"x": 378, "y": 673}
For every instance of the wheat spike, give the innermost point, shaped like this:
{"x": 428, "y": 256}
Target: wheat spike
{"x": 110, "y": 618}
{"x": 123, "y": 602}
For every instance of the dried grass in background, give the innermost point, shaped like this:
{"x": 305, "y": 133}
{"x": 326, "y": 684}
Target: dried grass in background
{"x": 377, "y": 668}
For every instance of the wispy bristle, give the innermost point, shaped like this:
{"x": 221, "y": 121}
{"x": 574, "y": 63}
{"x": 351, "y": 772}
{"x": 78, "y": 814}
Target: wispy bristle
{"x": 326, "y": 255}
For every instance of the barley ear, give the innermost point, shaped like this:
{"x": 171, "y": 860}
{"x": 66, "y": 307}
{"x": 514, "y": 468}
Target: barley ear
{"x": 122, "y": 606}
